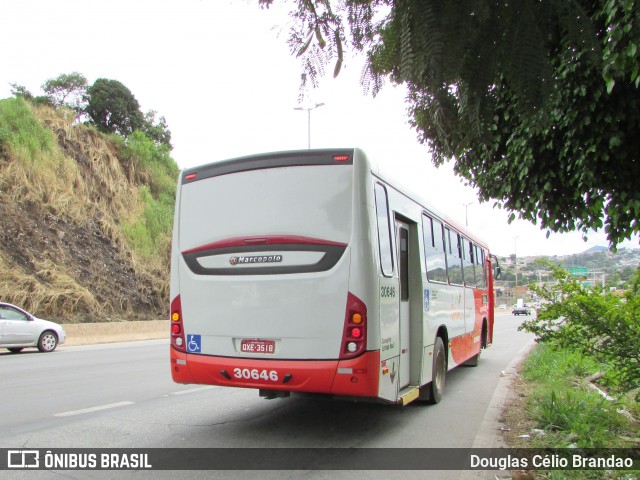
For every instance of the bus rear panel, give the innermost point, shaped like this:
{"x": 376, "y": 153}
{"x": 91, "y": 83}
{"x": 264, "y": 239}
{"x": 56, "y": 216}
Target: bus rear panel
{"x": 260, "y": 276}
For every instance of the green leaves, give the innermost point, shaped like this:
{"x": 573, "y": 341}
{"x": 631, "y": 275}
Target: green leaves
{"x": 69, "y": 89}
{"x": 113, "y": 108}
{"x": 538, "y": 103}
{"x": 598, "y": 323}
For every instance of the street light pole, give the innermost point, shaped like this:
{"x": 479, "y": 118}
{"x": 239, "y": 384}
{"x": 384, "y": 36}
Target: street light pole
{"x": 515, "y": 256}
{"x": 308, "y": 109}
{"x": 466, "y": 213}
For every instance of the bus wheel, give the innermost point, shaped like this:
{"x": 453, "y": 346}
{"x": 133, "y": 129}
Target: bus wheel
{"x": 435, "y": 389}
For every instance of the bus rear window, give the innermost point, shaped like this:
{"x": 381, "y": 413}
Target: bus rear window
{"x": 309, "y": 201}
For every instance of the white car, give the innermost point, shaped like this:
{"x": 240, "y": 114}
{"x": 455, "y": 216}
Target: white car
{"x": 502, "y": 306}
{"x": 19, "y": 329}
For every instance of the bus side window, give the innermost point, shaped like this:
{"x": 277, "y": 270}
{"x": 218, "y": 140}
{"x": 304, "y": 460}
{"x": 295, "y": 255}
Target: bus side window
{"x": 384, "y": 231}
{"x": 467, "y": 262}
{"x": 454, "y": 263}
{"x": 434, "y": 250}
{"x": 480, "y": 267}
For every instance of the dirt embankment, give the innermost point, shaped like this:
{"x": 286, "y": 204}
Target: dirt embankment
{"x": 63, "y": 252}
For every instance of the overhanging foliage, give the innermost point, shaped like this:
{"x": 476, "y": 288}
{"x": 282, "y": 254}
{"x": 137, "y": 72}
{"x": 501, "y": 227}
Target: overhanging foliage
{"x": 536, "y": 102}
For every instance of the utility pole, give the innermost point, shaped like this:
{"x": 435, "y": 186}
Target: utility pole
{"x": 466, "y": 213}
{"x": 308, "y": 109}
{"x": 515, "y": 256}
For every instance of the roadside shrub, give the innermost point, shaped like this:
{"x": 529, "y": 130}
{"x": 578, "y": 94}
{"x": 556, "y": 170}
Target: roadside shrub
{"x": 595, "y": 322}
{"x": 29, "y": 141}
{"x": 150, "y": 233}
{"x": 153, "y": 164}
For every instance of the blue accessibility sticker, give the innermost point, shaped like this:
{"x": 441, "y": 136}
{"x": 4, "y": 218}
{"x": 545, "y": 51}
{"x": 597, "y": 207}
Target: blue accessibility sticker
{"x": 194, "y": 343}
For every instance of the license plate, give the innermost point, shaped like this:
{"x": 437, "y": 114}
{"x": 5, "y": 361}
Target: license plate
{"x": 258, "y": 346}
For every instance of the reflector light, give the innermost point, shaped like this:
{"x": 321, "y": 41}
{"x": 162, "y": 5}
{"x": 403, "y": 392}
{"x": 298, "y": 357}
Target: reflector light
{"x": 341, "y": 158}
{"x": 356, "y": 333}
{"x": 191, "y": 176}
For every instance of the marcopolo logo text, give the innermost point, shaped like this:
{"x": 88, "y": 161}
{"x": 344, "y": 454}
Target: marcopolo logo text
{"x": 255, "y": 259}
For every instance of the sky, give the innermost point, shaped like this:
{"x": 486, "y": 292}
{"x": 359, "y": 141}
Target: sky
{"x": 221, "y": 74}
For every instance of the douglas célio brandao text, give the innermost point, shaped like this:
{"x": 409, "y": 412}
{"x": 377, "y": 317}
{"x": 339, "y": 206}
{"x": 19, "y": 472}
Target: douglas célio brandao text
{"x": 550, "y": 461}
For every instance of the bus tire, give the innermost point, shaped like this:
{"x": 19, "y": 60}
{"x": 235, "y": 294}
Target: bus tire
{"x": 435, "y": 389}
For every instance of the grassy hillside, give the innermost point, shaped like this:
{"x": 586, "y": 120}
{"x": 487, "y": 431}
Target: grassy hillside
{"x": 85, "y": 219}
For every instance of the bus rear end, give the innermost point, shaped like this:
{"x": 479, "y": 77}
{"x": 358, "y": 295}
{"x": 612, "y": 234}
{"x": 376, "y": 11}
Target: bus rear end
{"x": 260, "y": 271}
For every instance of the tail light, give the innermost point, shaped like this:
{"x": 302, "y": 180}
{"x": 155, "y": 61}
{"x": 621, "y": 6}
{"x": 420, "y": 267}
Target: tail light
{"x": 177, "y": 329}
{"x": 354, "y": 337}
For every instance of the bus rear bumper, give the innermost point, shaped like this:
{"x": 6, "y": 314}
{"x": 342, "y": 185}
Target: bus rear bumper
{"x": 354, "y": 377}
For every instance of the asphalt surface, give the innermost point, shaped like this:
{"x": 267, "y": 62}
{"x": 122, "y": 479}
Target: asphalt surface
{"x": 122, "y": 396}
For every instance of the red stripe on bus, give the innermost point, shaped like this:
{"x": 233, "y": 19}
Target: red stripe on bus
{"x": 355, "y": 377}
{"x": 264, "y": 240}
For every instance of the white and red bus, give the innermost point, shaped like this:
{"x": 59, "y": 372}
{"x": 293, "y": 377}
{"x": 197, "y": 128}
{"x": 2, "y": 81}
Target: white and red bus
{"x": 306, "y": 271}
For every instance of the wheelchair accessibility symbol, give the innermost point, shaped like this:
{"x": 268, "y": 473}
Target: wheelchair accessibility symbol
{"x": 193, "y": 343}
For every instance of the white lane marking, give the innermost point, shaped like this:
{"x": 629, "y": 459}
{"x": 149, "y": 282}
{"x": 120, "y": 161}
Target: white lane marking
{"x": 93, "y": 409}
{"x": 192, "y": 390}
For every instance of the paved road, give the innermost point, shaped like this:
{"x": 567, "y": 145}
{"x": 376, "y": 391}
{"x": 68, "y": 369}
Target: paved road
{"x": 122, "y": 396}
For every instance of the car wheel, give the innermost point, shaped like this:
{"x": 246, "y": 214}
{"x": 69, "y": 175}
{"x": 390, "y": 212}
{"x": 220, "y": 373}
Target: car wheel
{"x": 47, "y": 342}
{"x": 15, "y": 349}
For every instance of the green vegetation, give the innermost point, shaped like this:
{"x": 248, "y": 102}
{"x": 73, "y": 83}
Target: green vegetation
{"x": 586, "y": 336}
{"x": 566, "y": 408}
{"x": 563, "y": 411}
{"x": 109, "y": 105}
{"x": 143, "y": 143}
{"x": 113, "y": 108}
{"x": 149, "y": 234}
{"x": 29, "y": 140}
{"x": 86, "y": 216}
{"x": 39, "y": 172}
{"x": 537, "y": 103}
{"x": 595, "y": 322}
{"x": 68, "y": 90}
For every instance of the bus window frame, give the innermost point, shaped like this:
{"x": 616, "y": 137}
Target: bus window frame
{"x": 453, "y": 251}
{"x": 468, "y": 263}
{"x": 379, "y": 187}
{"x": 433, "y": 223}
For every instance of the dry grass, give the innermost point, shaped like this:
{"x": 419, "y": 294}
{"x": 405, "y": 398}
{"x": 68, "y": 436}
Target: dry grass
{"x": 73, "y": 176}
{"x": 51, "y": 291}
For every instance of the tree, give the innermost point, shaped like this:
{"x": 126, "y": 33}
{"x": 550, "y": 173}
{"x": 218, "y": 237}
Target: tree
{"x": 113, "y": 108}
{"x": 22, "y": 92}
{"x": 69, "y": 89}
{"x": 157, "y": 130}
{"x": 537, "y": 102}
